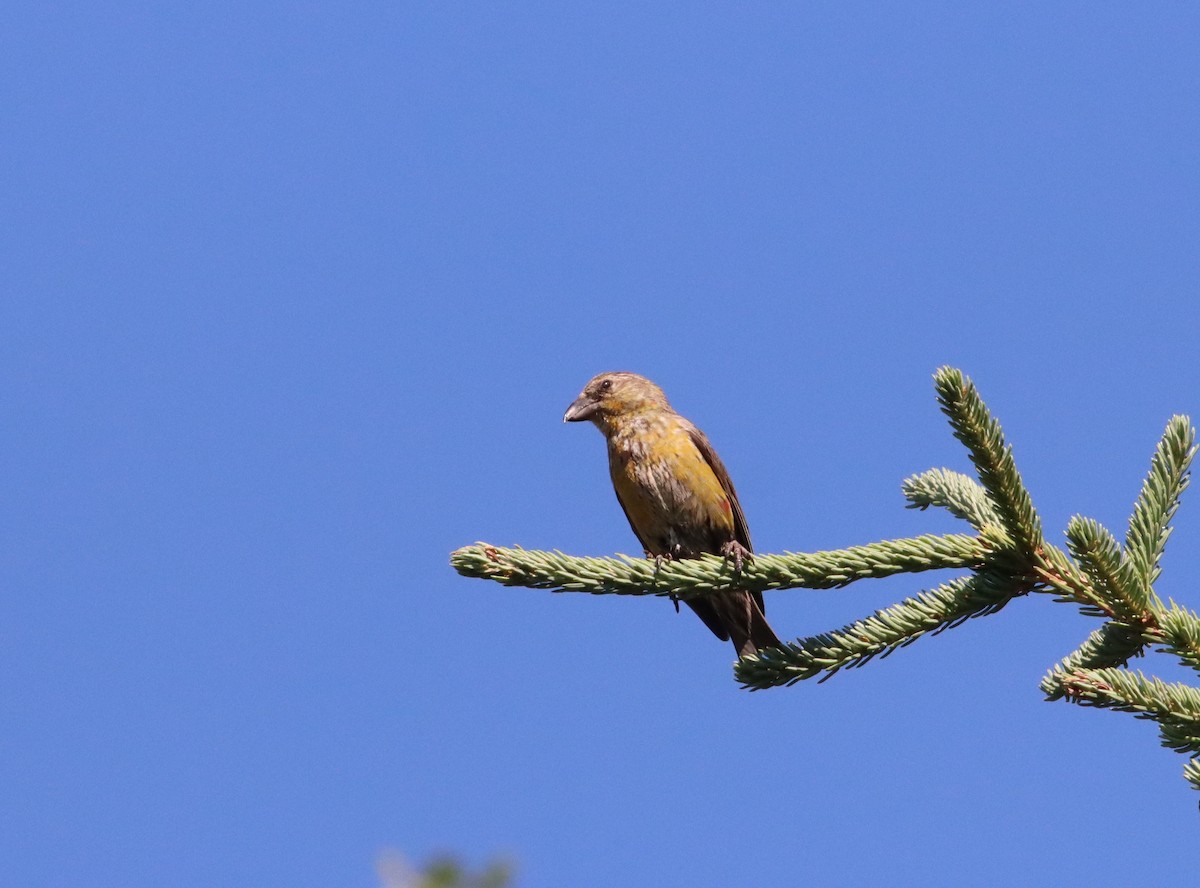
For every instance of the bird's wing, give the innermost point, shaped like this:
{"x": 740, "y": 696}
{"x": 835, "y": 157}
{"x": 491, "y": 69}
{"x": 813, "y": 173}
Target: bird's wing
{"x": 741, "y": 532}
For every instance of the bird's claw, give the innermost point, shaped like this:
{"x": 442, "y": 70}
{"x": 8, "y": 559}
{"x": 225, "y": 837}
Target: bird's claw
{"x": 737, "y": 553}
{"x": 658, "y": 562}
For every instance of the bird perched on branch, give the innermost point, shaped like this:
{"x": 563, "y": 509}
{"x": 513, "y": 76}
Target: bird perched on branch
{"x": 676, "y": 494}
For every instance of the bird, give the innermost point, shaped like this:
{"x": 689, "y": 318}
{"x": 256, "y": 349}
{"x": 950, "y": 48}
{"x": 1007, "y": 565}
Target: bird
{"x": 676, "y": 494}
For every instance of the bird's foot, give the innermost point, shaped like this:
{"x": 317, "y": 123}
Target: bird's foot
{"x": 658, "y": 560}
{"x": 658, "y": 563}
{"x": 737, "y": 553}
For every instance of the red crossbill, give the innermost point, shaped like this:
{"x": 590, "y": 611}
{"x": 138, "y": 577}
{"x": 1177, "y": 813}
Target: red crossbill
{"x": 676, "y": 494}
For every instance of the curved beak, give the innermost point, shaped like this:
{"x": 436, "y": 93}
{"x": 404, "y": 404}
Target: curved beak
{"x": 581, "y": 408}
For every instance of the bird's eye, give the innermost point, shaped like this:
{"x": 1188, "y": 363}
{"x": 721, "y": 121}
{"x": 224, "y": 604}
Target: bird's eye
{"x": 605, "y": 385}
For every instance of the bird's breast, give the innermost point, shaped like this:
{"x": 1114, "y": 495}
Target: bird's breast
{"x": 670, "y": 493}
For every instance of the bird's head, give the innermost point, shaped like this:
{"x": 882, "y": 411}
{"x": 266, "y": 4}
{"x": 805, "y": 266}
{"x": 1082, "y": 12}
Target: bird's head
{"x": 615, "y": 395}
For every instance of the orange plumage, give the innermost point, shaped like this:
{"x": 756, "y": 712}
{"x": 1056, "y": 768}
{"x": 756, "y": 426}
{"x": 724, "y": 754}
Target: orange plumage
{"x": 676, "y": 493}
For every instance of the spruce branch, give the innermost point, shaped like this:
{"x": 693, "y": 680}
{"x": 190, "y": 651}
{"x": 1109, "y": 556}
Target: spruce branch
{"x": 1179, "y": 633}
{"x": 960, "y": 495}
{"x": 625, "y": 575}
{"x": 1113, "y": 644}
{"x": 1063, "y": 575}
{"x": 886, "y": 630}
{"x": 1149, "y": 526}
{"x": 1007, "y": 557}
{"x": 1109, "y": 592}
{"x": 1191, "y": 771}
{"x": 974, "y": 425}
{"x": 1176, "y": 707}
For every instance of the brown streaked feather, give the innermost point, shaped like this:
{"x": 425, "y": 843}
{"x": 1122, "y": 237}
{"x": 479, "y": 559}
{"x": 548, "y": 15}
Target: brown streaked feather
{"x": 741, "y": 532}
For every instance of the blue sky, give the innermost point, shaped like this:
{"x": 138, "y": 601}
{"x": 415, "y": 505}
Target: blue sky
{"x": 296, "y": 295}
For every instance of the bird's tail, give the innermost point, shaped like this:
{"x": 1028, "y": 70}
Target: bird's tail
{"x": 757, "y": 635}
{"x": 737, "y": 617}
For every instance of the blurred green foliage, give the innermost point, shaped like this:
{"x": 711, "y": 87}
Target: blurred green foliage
{"x": 444, "y": 871}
